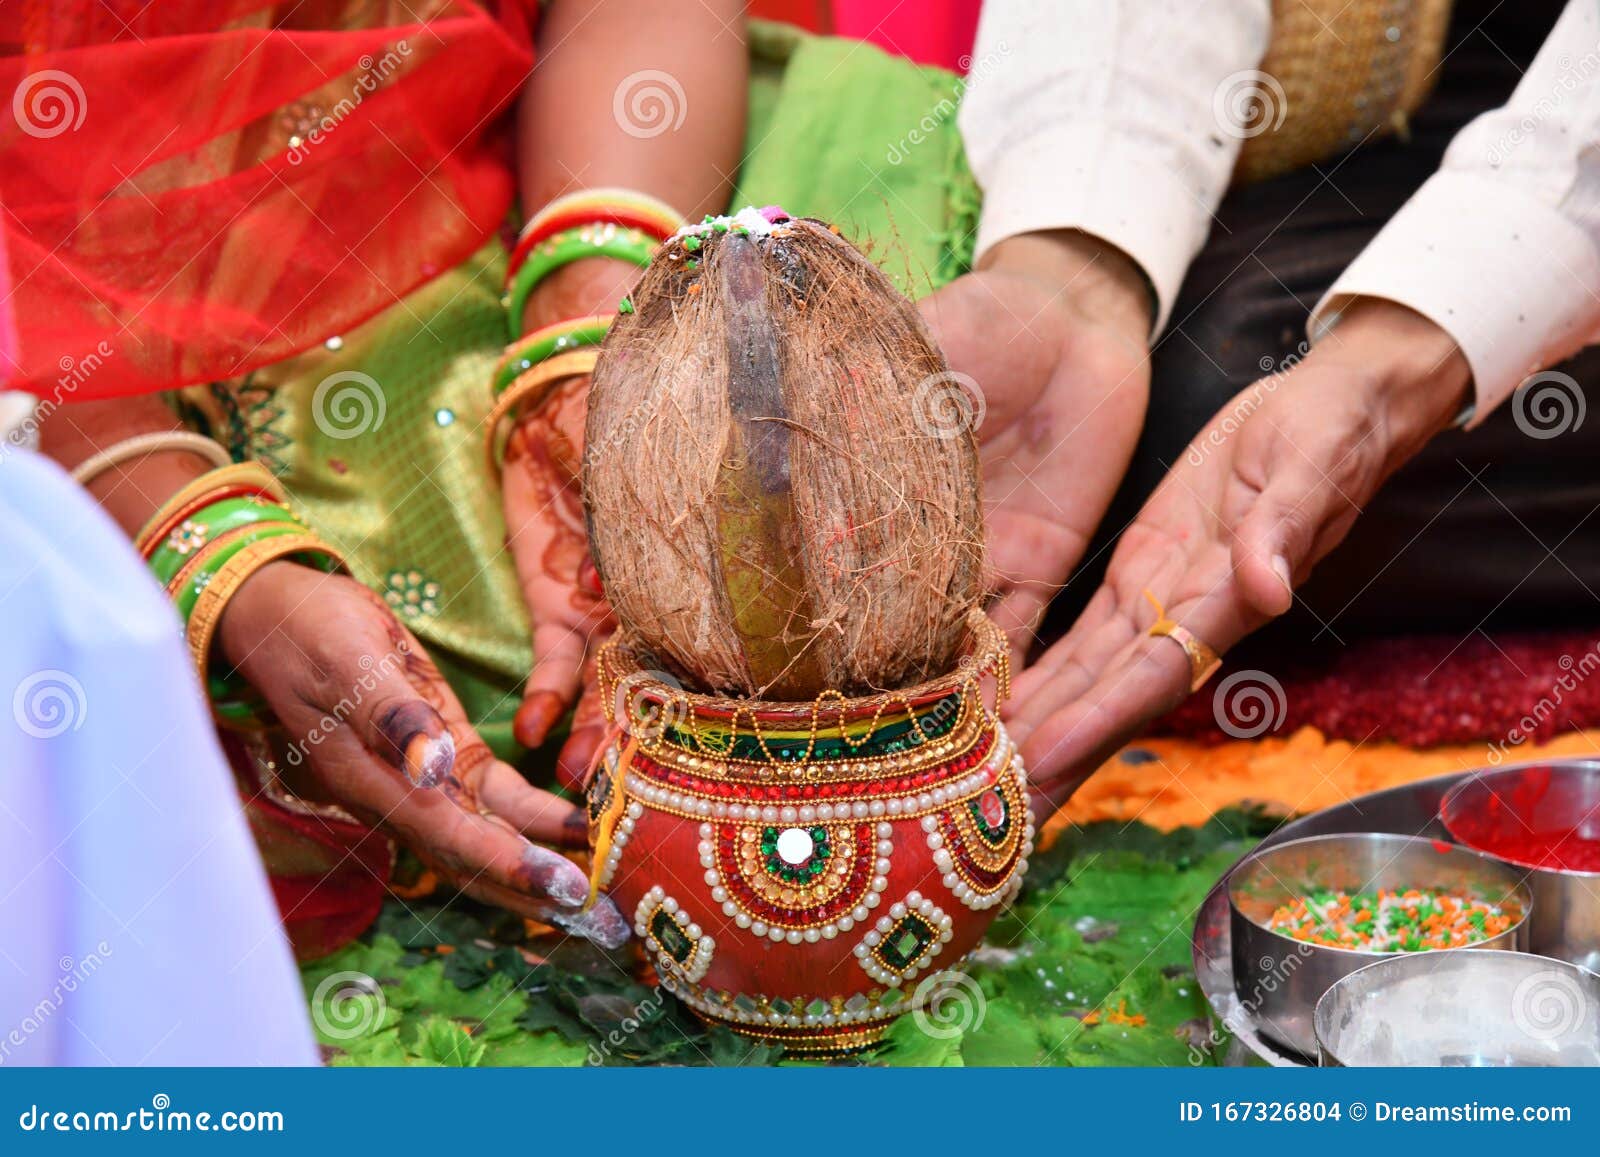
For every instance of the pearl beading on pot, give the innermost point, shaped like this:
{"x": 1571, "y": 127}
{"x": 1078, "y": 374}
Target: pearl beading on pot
{"x": 940, "y": 929}
{"x": 692, "y": 806}
{"x": 810, "y": 935}
{"x": 694, "y": 967}
{"x": 619, "y": 840}
{"x": 945, "y": 862}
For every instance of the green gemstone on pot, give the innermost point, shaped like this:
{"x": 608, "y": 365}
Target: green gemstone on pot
{"x": 673, "y": 940}
{"x": 906, "y": 941}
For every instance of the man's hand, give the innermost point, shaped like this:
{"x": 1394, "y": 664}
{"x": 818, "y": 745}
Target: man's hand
{"x": 1271, "y": 485}
{"x": 1054, "y": 329}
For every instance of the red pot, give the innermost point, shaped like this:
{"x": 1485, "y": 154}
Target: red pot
{"x": 799, "y": 872}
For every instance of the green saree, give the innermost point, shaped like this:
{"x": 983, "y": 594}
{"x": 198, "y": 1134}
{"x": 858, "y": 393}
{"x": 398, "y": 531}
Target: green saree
{"x": 378, "y": 435}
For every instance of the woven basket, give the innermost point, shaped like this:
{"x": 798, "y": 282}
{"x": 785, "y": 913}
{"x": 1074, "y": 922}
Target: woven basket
{"x": 1336, "y": 73}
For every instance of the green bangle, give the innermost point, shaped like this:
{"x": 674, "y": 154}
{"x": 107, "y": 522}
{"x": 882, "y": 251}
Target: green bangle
{"x": 233, "y": 699}
{"x": 235, "y": 703}
{"x": 206, "y": 525}
{"x": 183, "y": 598}
{"x": 633, "y": 245}
{"x": 543, "y": 344}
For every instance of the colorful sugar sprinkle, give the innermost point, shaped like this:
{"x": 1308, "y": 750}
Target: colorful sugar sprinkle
{"x": 1390, "y": 921}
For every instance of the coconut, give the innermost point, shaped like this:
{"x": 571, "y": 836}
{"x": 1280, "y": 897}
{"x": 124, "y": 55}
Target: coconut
{"x": 782, "y": 498}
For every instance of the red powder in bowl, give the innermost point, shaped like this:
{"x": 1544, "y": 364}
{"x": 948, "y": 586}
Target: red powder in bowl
{"x": 1535, "y": 817}
{"x": 1563, "y": 850}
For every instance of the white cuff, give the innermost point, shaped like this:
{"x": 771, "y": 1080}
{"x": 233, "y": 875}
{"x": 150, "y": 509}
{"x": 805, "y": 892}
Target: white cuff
{"x": 1512, "y": 280}
{"x": 1098, "y": 182}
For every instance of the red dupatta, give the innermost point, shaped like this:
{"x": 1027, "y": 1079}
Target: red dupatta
{"x": 208, "y": 186}
{"x": 193, "y": 188}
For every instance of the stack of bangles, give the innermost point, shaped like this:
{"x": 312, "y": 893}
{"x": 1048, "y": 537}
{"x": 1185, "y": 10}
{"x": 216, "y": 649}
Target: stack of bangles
{"x": 205, "y": 542}
{"x": 615, "y": 223}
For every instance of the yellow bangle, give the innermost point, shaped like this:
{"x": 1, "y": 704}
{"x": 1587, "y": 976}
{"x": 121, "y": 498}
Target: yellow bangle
{"x": 214, "y": 598}
{"x": 533, "y": 385}
{"x": 250, "y": 475}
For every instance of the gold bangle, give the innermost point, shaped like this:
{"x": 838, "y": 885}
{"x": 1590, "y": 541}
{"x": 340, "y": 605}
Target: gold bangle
{"x": 240, "y": 473}
{"x": 214, "y": 598}
{"x": 1203, "y": 658}
{"x": 539, "y": 381}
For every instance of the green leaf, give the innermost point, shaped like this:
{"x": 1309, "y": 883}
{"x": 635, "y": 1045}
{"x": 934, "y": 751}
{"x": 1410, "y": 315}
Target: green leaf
{"x": 907, "y": 1043}
{"x": 1004, "y": 1036}
{"x": 1105, "y": 920}
{"x": 437, "y": 1040}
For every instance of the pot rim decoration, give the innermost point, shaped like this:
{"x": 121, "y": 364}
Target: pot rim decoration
{"x": 986, "y": 654}
{"x": 912, "y": 809}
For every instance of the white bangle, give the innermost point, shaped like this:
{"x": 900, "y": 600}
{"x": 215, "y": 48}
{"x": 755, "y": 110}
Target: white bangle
{"x": 141, "y": 444}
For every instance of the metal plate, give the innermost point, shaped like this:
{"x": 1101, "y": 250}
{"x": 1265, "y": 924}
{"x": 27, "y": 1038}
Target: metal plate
{"x": 1411, "y": 809}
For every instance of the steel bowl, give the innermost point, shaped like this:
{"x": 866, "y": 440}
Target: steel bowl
{"x": 1279, "y": 980}
{"x": 1483, "y": 810}
{"x": 1462, "y": 1009}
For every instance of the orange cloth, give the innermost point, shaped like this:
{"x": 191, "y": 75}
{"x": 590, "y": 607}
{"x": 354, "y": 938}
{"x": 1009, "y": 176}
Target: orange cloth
{"x": 1304, "y": 772}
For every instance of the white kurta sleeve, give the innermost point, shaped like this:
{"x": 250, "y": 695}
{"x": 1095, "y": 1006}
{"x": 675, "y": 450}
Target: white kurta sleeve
{"x": 1501, "y": 247}
{"x": 1110, "y": 116}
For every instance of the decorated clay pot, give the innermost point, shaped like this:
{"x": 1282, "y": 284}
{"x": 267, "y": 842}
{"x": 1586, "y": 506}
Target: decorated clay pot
{"x": 804, "y": 872}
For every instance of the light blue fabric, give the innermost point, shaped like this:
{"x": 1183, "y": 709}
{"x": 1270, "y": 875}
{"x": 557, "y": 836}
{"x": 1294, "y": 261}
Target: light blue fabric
{"x": 136, "y": 923}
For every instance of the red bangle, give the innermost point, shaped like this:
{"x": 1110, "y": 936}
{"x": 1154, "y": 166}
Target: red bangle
{"x": 154, "y": 535}
{"x": 620, "y": 207}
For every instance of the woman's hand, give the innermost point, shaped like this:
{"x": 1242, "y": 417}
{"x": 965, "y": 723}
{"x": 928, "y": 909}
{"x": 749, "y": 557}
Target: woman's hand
{"x": 380, "y": 733}
{"x": 1054, "y": 330}
{"x": 1271, "y": 485}
{"x": 545, "y": 525}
